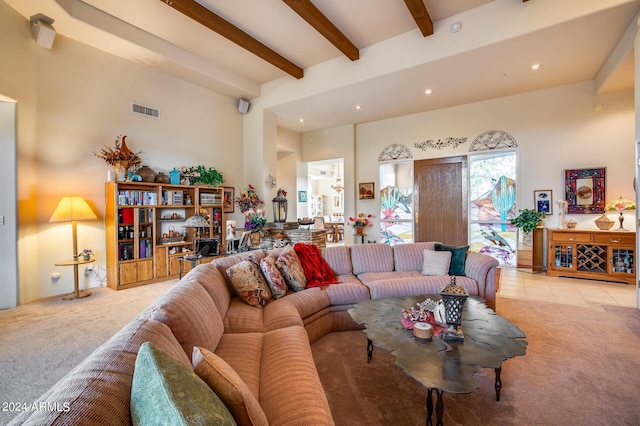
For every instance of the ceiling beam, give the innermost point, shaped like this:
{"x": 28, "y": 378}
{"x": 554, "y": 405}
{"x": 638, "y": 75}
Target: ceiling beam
{"x": 324, "y": 26}
{"x": 215, "y": 23}
{"x": 421, "y": 16}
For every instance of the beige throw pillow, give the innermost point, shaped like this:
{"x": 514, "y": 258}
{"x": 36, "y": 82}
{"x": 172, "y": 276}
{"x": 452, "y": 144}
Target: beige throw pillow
{"x": 436, "y": 262}
{"x": 232, "y": 390}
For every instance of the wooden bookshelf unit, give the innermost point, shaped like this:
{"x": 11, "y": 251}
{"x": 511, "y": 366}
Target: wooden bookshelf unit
{"x": 145, "y": 233}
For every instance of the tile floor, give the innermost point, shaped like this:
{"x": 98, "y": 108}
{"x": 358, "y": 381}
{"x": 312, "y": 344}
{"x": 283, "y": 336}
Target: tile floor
{"x": 522, "y": 284}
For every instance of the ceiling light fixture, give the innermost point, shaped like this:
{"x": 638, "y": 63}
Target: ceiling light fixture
{"x": 301, "y": 120}
{"x": 535, "y": 67}
{"x": 456, "y": 26}
{"x": 338, "y": 186}
{"x": 427, "y": 92}
{"x": 358, "y": 106}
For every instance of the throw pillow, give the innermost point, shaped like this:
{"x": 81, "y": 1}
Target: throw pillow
{"x": 458, "y": 258}
{"x": 291, "y": 269}
{"x": 165, "y": 391}
{"x": 249, "y": 284}
{"x": 275, "y": 280}
{"x": 316, "y": 270}
{"x": 232, "y": 390}
{"x": 436, "y": 262}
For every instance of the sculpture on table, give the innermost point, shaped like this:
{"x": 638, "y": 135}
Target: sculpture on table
{"x": 562, "y": 210}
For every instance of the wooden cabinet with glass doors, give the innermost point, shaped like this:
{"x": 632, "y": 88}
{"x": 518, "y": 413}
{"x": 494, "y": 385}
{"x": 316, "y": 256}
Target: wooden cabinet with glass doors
{"x": 145, "y": 232}
{"x": 599, "y": 255}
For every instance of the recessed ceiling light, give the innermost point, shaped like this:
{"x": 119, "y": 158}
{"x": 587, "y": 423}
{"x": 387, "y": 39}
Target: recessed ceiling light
{"x": 535, "y": 67}
{"x": 358, "y": 107}
{"x": 456, "y": 26}
{"x": 427, "y": 92}
{"x": 301, "y": 120}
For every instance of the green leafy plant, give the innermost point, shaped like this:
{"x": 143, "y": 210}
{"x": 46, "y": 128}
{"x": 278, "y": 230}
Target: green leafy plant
{"x": 528, "y": 219}
{"x": 203, "y": 175}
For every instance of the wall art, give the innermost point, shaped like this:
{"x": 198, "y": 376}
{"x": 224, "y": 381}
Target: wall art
{"x": 585, "y": 190}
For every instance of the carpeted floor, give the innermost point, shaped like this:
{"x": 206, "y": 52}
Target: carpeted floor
{"x": 581, "y": 368}
{"x": 582, "y": 365}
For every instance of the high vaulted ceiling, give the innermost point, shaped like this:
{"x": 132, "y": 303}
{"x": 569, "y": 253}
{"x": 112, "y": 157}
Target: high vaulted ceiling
{"x": 208, "y": 42}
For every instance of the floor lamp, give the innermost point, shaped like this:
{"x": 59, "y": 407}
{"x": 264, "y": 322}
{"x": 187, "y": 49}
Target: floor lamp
{"x": 73, "y": 209}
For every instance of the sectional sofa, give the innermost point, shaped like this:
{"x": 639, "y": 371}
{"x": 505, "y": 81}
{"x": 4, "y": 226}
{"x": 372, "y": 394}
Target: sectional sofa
{"x": 261, "y": 358}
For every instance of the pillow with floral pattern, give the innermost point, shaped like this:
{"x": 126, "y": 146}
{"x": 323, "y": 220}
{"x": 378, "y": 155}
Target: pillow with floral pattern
{"x": 275, "y": 280}
{"x": 248, "y": 282}
{"x": 291, "y": 269}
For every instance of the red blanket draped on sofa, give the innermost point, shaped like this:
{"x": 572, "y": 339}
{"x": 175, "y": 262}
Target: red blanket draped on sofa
{"x": 316, "y": 269}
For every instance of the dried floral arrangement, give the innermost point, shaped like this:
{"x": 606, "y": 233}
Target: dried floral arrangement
{"x": 249, "y": 199}
{"x": 120, "y": 156}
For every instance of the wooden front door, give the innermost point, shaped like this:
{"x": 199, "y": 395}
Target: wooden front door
{"x": 441, "y": 194}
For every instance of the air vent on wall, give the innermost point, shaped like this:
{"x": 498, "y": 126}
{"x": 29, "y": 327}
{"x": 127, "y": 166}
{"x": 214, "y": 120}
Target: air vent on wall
{"x": 145, "y": 110}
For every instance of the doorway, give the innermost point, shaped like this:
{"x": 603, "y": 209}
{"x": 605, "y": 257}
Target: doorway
{"x": 441, "y": 200}
{"x": 8, "y": 212}
{"x": 325, "y": 197}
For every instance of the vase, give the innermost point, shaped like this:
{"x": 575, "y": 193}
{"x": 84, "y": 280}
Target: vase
{"x": 255, "y": 239}
{"x": 147, "y": 174}
{"x": 86, "y": 257}
{"x": 162, "y": 178}
{"x": 359, "y": 230}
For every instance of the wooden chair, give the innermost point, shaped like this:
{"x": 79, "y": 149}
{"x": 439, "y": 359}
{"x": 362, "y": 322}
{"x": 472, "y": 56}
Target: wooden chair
{"x": 318, "y": 223}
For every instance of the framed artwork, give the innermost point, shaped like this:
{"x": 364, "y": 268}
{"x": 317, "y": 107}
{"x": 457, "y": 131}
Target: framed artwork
{"x": 302, "y": 196}
{"x": 244, "y": 240}
{"x": 228, "y": 194}
{"x": 585, "y": 190}
{"x": 337, "y": 202}
{"x": 365, "y": 191}
{"x": 543, "y": 200}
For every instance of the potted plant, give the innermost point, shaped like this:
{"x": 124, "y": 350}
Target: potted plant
{"x": 527, "y": 221}
{"x": 203, "y": 175}
{"x": 85, "y": 254}
{"x": 360, "y": 222}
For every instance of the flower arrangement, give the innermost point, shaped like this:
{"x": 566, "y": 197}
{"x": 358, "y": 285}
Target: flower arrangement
{"x": 248, "y": 199}
{"x": 361, "y": 221}
{"x": 85, "y": 254}
{"x": 203, "y": 175}
{"x": 120, "y": 156}
{"x": 255, "y": 220}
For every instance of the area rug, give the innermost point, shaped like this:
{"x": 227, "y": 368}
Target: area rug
{"x": 582, "y": 367}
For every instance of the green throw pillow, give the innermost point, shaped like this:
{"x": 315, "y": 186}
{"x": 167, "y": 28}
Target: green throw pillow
{"x": 165, "y": 391}
{"x": 458, "y": 258}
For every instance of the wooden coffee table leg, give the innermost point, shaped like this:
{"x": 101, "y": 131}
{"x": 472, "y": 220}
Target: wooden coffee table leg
{"x": 439, "y": 406}
{"x": 498, "y": 382}
{"x": 369, "y": 350}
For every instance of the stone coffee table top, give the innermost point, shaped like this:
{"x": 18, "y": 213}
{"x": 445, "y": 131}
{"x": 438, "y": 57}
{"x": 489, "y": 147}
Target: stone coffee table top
{"x": 489, "y": 339}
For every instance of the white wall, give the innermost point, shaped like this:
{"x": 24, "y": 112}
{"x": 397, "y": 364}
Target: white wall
{"x": 73, "y": 100}
{"x": 555, "y": 129}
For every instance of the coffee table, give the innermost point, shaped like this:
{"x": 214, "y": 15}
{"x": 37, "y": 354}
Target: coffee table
{"x": 441, "y": 366}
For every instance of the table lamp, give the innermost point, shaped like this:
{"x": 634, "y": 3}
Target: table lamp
{"x": 621, "y": 204}
{"x": 73, "y": 209}
{"x": 195, "y": 221}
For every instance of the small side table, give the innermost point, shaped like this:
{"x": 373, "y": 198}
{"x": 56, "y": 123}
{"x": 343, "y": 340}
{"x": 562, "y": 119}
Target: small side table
{"x": 193, "y": 259}
{"x": 360, "y": 237}
{"x": 77, "y": 294}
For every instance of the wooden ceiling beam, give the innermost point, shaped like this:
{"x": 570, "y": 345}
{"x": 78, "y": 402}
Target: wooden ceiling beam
{"x": 229, "y": 31}
{"x": 324, "y": 26}
{"x": 421, "y": 16}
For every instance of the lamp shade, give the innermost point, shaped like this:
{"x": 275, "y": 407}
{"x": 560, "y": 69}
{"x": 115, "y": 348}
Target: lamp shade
{"x": 196, "y": 221}
{"x": 71, "y": 209}
{"x": 621, "y": 204}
